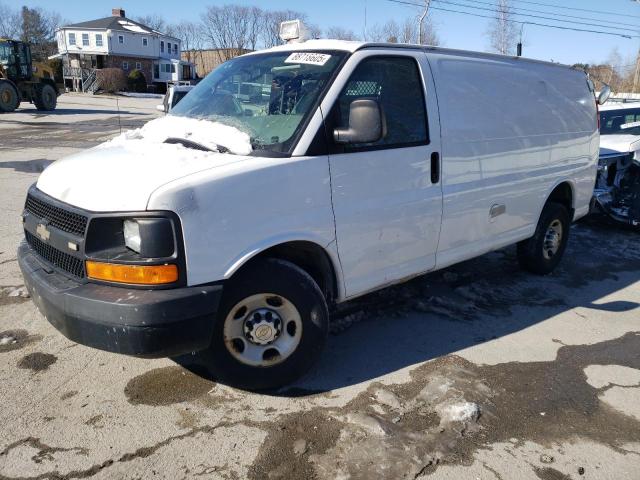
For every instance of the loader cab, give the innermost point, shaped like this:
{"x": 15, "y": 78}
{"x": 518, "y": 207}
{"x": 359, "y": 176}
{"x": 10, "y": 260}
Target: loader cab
{"x": 15, "y": 58}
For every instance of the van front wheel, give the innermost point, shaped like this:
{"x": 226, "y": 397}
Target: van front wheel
{"x": 541, "y": 253}
{"x": 271, "y": 327}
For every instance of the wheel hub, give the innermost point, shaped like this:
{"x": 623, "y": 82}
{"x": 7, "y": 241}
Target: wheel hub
{"x": 262, "y": 326}
{"x": 552, "y": 239}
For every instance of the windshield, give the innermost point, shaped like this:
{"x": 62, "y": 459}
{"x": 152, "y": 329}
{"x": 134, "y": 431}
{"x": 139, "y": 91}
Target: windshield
{"x": 267, "y": 96}
{"x": 620, "y": 122}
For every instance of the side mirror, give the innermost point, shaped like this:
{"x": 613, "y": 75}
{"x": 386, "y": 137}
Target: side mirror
{"x": 365, "y": 123}
{"x": 160, "y": 108}
{"x": 605, "y": 93}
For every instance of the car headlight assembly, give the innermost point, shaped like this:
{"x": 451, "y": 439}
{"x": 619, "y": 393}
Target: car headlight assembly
{"x": 132, "y": 235}
{"x": 150, "y": 237}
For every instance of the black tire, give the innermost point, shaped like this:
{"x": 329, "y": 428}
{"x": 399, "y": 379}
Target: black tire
{"x": 9, "y": 97}
{"x": 284, "y": 279}
{"x": 45, "y": 97}
{"x": 536, "y": 254}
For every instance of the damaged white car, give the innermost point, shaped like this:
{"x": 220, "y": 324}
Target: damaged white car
{"x": 617, "y": 189}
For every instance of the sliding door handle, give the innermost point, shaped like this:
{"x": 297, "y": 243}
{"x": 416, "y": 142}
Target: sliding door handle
{"x": 435, "y": 167}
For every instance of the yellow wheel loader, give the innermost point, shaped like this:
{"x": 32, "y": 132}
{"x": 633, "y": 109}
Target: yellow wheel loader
{"x": 22, "y": 80}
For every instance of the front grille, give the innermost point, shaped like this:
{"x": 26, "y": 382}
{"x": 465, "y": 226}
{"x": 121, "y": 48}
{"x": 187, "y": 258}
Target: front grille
{"x": 62, "y": 260}
{"x": 60, "y": 218}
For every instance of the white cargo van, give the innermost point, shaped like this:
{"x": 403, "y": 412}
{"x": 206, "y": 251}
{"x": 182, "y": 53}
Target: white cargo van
{"x": 296, "y": 178}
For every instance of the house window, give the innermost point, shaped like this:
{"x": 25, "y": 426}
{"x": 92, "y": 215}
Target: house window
{"x": 120, "y": 39}
{"x": 145, "y": 42}
{"x": 173, "y": 68}
{"x": 175, "y": 48}
{"x": 85, "y": 39}
{"x": 98, "y": 39}
{"x": 138, "y": 66}
{"x": 72, "y": 39}
{"x": 162, "y": 46}
{"x": 125, "y": 65}
{"x": 166, "y": 68}
{"x": 169, "y": 48}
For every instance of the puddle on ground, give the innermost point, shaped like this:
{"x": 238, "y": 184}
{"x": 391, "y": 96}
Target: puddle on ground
{"x": 16, "y": 339}
{"x": 166, "y": 386}
{"x": 405, "y": 430}
{"x": 37, "y": 361}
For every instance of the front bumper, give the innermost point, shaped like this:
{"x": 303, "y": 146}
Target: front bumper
{"x": 145, "y": 323}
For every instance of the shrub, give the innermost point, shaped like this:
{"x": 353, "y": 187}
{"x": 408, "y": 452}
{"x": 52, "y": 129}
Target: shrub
{"x": 111, "y": 79}
{"x": 137, "y": 82}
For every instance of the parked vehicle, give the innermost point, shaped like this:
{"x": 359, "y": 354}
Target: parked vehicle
{"x": 617, "y": 190}
{"x": 22, "y": 80}
{"x": 233, "y": 225}
{"x": 174, "y": 94}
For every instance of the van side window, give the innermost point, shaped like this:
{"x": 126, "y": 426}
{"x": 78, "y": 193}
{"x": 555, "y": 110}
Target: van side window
{"x": 396, "y": 84}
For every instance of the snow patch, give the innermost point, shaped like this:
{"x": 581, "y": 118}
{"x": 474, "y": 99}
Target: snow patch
{"x": 458, "y": 412}
{"x": 141, "y": 95}
{"x": 207, "y": 133}
{"x": 133, "y": 27}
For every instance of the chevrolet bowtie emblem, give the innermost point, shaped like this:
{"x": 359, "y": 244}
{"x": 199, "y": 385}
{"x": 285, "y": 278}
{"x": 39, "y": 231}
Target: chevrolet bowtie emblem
{"x": 43, "y": 232}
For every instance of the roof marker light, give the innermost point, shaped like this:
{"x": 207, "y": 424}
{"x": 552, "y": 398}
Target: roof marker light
{"x": 293, "y": 31}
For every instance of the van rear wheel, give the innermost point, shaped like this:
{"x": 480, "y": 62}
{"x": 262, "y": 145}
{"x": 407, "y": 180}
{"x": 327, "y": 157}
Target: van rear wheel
{"x": 272, "y": 325}
{"x": 541, "y": 253}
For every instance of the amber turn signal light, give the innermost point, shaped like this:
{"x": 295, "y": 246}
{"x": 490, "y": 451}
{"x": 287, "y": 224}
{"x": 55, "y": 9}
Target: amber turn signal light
{"x": 135, "y": 274}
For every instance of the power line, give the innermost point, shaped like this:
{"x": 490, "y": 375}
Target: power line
{"x": 600, "y": 12}
{"x": 516, "y": 9}
{"x": 540, "y": 17}
{"x": 558, "y": 27}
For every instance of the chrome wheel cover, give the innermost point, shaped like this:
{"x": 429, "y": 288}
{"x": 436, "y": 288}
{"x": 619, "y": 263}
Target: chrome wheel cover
{"x": 262, "y": 330}
{"x": 552, "y": 239}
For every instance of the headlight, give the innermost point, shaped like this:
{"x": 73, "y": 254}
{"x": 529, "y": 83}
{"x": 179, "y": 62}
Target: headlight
{"x": 132, "y": 235}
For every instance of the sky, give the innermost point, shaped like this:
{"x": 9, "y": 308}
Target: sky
{"x": 455, "y": 30}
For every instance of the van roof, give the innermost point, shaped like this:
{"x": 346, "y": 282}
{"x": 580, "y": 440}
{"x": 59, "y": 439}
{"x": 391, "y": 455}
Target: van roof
{"x": 353, "y": 46}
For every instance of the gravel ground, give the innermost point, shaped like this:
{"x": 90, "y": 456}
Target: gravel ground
{"x": 478, "y": 372}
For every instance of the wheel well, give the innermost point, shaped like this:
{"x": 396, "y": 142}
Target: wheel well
{"x": 310, "y": 257}
{"x": 563, "y": 194}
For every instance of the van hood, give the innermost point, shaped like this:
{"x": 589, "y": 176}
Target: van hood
{"x": 612, "y": 144}
{"x": 121, "y": 175}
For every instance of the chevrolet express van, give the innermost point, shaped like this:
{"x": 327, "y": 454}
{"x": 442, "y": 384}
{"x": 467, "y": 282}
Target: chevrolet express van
{"x": 234, "y": 224}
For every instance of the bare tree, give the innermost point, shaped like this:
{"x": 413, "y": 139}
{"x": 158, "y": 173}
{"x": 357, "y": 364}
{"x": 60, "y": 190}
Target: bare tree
{"x": 503, "y": 31}
{"x": 154, "y": 21}
{"x": 191, "y": 35}
{"x": 407, "y": 32}
{"x": 38, "y": 28}
{"x": 340, "y": 33}
{"x": 232, "y": 29}
{"x": 10, "y": 22}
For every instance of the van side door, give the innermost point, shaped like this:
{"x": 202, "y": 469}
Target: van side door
{"x": 387, "y": 196}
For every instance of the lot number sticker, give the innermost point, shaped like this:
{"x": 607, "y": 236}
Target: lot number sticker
{"x": 308, "y": 58}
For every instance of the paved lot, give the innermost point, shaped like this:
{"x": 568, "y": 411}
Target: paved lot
{"x": 478, "y": 372}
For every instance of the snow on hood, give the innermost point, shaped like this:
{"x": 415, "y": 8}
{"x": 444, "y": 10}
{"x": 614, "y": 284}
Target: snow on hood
{"x": 623, "y": 143}
{"x": 121, "y": 175}
{"x": 207, "y": 133}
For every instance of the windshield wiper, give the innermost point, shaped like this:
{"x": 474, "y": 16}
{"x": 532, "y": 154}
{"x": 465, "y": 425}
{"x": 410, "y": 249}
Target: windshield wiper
{"x": 195, "y": 145}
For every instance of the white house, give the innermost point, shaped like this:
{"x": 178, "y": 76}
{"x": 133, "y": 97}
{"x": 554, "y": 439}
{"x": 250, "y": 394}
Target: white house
{"x": 119, "y": 42}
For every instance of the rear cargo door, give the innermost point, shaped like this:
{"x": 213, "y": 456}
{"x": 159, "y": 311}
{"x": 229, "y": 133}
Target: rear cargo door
{"x": 387, "y": 195}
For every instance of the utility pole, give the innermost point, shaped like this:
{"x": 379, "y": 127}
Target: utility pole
{"x": 519, "y": 49}
{"x": 422, "y": 17}
{"x": 637, "y": 74}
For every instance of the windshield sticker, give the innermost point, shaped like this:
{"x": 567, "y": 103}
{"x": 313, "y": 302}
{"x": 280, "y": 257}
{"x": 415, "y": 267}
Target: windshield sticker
{"x": 309, "y": 58}
{"x": 629, "y": 125}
